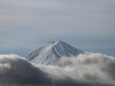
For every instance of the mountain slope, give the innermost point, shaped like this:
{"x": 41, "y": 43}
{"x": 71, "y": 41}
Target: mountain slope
{"x": 49, "y": 53}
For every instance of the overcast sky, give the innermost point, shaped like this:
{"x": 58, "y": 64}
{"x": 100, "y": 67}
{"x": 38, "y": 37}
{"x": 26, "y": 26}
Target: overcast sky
{"x": 25, "y": 24}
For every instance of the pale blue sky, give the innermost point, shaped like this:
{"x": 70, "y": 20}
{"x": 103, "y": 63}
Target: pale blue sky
{"x": 25, "y": 24}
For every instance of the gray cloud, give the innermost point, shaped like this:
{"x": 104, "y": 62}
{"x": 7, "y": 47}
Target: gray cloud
{"x": 98, "y": 71}
{"x": 16, "y": 70}
{"x": 24, "y": 22}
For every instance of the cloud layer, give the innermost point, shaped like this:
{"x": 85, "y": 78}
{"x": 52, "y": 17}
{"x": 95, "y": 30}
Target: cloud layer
{"x": 90, "y": 69}
{"x": 86, "y": 68}
{"x": 17, "y": 70}
{"x": 24, "y": 23}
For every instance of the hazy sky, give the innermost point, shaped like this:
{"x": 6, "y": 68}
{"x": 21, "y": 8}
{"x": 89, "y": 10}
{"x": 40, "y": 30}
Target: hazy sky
{"x": 25, "y": 24}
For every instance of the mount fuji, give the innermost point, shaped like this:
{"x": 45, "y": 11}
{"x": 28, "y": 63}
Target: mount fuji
{"x": 50, "y": 53}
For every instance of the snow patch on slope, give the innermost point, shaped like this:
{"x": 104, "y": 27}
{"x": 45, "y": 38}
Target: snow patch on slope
{"x": 51, "y": 52}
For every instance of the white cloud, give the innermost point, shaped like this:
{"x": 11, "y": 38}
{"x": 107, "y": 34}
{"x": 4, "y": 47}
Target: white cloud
{"x": 85, "y": 68}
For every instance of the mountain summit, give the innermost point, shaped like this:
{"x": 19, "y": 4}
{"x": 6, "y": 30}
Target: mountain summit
{"x": 49, "y": 53}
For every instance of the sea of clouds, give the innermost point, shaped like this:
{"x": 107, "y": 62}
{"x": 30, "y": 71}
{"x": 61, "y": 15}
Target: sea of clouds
{"x": 89, "y": 69}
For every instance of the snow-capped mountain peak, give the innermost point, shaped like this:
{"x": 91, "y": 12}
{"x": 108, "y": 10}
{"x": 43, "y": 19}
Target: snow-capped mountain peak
{"x": 51, "y": 52}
